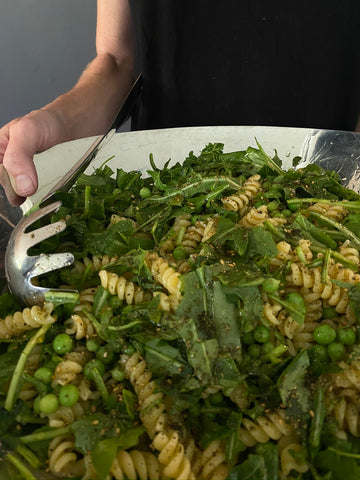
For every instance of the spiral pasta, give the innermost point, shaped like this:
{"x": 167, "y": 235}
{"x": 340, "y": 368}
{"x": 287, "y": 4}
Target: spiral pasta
{"x": 193, "y": 235}
{"x": 286, "y": 253}
{"x": 172, "y": 456}
{"x": 85, "y": 390}
{"x": 254, "y": 217}
{"x": 135, "y": 465}
{"x": 27, "y": 392}
{"x": 151, "y": 404}
{"x": 164, "y": 274}
{"x": 348, "y": 377}
{"x": 167, "y": 303}
{"x": 29, "y": 318}
{"x": 350, "y": 253}
{"x": 169, "y": 242}
{"x": 153, "y": 416}
{"x": 272, "y": 425}
{"x": 86, "y": 299}
{"x": 290, "y": 459}
{"x": 213, "y": 462}
{"x": 347, "y": 415}
{"x": 115, "y": 219}
{"x": 81, "y": 326}
{"x": 301, "y": 275}
{"x": 242, "y": 197}
{"x": 63, "y": 461}
{"x": 123, "y": 288}
{"x": 88, "y": 264}
{"x": 210, "y": 228}
{"x": 71, "y": 365}
{"x": 65, "y": 415}
{"x": 335, "y": 212}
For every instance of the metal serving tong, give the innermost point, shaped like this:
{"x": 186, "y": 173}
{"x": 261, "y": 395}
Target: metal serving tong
{"x": 20, "y": 267}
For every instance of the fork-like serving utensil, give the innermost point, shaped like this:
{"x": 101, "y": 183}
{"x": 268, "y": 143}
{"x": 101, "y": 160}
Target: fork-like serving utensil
{"x": 21, "y": 268}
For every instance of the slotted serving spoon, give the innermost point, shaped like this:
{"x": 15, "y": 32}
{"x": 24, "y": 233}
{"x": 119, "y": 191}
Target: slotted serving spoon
{"x": 21, "y": 268}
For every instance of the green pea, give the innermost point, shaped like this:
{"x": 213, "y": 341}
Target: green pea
{"x": 347, "y": 336}
{"x": 271, "y": 206}
{"x": 49, "y": 403}
{"x": 68, "y": 395}
{"x": 324, "y": 334}
{"x": 336, "y": 351}
{"x": 286, "y": 213}
{"x": 216, "y": 398}
{"x": 43, "y": 374}
{"x": 92, "y": 344}
{"x": 115, "y": 302}
{"x": 267, "y": 347}
{"x": 118, "y": 374}
{"x": 104, "y": 354}
{"x": 271, "y": 285}
{"x": 248, "y": 339}
{"x": 129, "y": 349}
{"x": 254, "y": 350}
{"x": 145, "y": 192}
{"x": 90, "y": 365}
{"x": 261, "y": 334}
{"x": 36, "y": 403}
{"x": 180, "y": 253}
{"x": 320, "y": 352}
{"x": 62, "y": 343}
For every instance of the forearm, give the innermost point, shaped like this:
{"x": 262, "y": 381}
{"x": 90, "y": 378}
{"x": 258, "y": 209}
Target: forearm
{"x": 91, "y": 105}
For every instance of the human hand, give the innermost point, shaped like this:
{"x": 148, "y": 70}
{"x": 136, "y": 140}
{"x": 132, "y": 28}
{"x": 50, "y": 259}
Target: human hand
{"x": 20, "y": 139}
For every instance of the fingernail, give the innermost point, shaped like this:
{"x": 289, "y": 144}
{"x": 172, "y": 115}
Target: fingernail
{"x": 24, "y": 185}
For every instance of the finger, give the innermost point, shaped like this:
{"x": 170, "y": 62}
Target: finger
{"x": 14, "y": 199}
{"x": 4, "y": 140}
{"x": 18, "y": 157}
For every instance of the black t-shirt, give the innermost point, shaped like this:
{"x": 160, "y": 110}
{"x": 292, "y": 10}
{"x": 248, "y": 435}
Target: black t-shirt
{"x": 254, "y": 62}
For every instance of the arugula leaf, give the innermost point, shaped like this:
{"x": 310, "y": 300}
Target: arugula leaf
{"x": 226, "y": 322}
{"x": 292, "y": 386}
{"x": 104, "y": 452}
{"x": 226, "y": 372}
{"x": 201, "y": 354}
{"x": 229, "y": 232}
{"x": 340, "y": 466}
{"x": 263, "y": 465}
{"x": 92, "y": 428}
{"x": 162, "y": 358}
{"x": 251, "y": 307}
{"x": 261, "y": 243}
{"x": 312, "y": 232}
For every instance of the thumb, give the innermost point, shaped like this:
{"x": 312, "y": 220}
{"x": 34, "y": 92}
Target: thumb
{"x": 23, "y": 141}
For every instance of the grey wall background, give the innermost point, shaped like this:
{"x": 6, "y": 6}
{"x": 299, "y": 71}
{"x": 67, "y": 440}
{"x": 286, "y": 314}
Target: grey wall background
{"x": 44, "y": 47}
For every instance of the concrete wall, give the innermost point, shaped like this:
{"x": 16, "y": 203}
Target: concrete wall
{"x": 44, "y": 47}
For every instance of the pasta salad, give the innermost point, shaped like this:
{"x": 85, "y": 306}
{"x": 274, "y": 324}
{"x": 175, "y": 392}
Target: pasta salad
{"x": 208, "y": 328}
